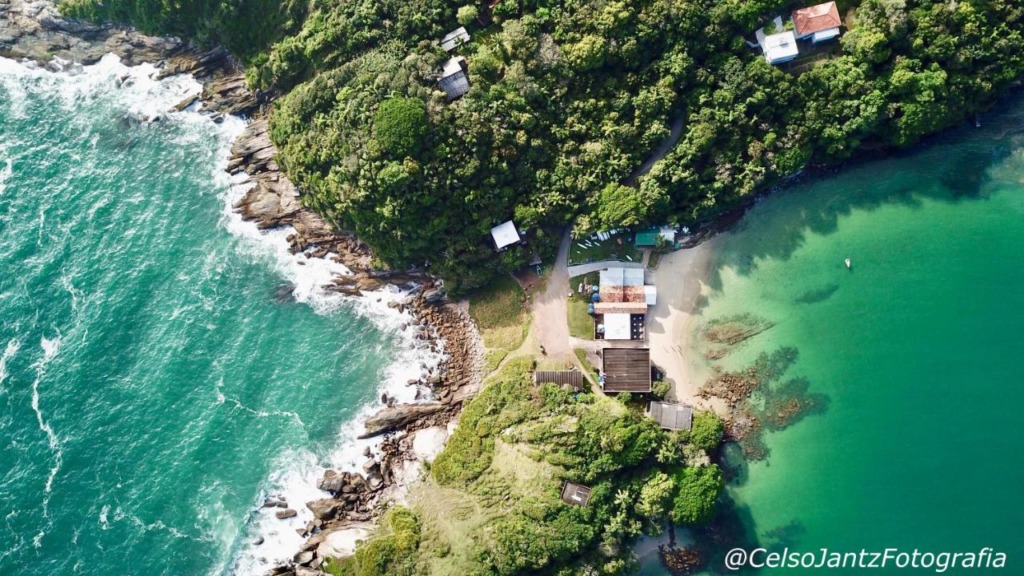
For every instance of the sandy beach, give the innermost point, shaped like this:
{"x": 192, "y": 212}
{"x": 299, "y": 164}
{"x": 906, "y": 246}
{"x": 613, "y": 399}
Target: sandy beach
{"x": 680, "y": 281}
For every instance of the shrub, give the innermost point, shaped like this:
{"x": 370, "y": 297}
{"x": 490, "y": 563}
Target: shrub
{"x": 400, "y": 126}
{"x": 707, "y": 430}
{"x": 389, "y": 552}
{"x": 698, "y": 490}
{"x": 467, "y": 15}
{"x": 661, "y": 388}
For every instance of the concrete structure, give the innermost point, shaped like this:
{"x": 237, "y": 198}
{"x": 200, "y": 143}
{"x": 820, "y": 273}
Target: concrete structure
{"x": 779, "y": 48}
{"x": 617, "y": 326}
{"x": 505, "y": 234}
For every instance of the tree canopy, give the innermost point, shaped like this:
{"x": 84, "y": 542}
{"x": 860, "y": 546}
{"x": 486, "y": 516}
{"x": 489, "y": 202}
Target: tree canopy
{"x": 567, "y": 100}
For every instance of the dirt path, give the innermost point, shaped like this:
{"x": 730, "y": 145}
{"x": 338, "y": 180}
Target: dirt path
{"x": 551, "y": 310}
{"x": 673, "y": 137}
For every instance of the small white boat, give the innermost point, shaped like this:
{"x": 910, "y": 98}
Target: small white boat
{"x": 849, "y": 265}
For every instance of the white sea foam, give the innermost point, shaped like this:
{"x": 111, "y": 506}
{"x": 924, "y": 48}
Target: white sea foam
{"x": 149, "y": 99}
{"x": 104, "y": 517}
{"x": 50, "y": 347}
{"x": 12, "y": 348}
{"x": 297, "y": 474}
{"x": 5, "y": 174}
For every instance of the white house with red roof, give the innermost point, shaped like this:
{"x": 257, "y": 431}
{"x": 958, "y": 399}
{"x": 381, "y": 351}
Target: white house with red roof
{"x": 819, "y": 23}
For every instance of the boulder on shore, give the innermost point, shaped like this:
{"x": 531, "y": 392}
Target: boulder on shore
{"x": 325, "y": 508}
{"x": 285, "y": 514}
{"x": 332, "y": 481}
{"x": 395, "y": 417}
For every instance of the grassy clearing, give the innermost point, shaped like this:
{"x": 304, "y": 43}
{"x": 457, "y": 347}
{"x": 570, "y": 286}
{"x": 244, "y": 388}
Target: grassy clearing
{"x": 553, "y": 364}
{"x": 581, "y": 354}
{"x": 581, "y": 324}
{"x": 499, "y": 304}
{"x": 500, "y": 315}
{"x": 618, "y": 247}
{"x": 448, "y": 516}
{"x": 492, "y": 359}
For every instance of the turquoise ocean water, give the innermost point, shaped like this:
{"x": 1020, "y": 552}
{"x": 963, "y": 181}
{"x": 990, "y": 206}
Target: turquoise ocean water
{"x": 919, "y": 350}
{"x": 154, "y": 384}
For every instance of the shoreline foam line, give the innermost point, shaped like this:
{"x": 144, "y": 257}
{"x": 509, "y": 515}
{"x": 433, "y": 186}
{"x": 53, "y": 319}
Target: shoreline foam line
{"x": 149, "y": 99}
{"x": 296, "y": 472}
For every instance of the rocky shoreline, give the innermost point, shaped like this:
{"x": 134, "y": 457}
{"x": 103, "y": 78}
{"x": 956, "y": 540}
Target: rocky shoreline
{"x": 33, "y": 30}
{"x": 354, "y": 498}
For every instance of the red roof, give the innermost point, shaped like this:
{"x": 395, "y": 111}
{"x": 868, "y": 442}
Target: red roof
{"x": 813, "y": 19}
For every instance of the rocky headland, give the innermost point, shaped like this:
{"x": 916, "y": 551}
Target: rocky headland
{"x": 34, "y": 30}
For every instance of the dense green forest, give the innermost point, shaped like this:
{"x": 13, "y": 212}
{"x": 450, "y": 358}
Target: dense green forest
{"x": 569, "y": 98}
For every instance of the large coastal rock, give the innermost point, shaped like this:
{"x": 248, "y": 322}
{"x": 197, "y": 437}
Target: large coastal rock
{"x": 34, "y": 29}
{"x": 400, "y": 416}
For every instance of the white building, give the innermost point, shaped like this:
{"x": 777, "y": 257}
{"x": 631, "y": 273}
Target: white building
{"x": 779, "y": 48}
{"x": 505, "y": 234}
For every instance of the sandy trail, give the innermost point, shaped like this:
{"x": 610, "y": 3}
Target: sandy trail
{"x": 551, "y": 309}
{"x": 679, "y": 279}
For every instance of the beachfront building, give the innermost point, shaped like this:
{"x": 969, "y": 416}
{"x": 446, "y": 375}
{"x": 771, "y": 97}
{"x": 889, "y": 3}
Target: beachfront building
{"x": 672, "y": 416}
{"x": 576, "y": 494}
{"x": 620, "y": 305}
{"x": 454, "y": 79}
{"x": 818, "y": 23}
{"x": 454, "y": 39}
{"x": 626, "y": 370}
{"x": 566, "y": 378}
{"x": 504, "y": 235}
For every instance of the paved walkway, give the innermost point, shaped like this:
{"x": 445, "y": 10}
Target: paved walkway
{"x": 581, "y": 269}
{"x": 551, "y": 308}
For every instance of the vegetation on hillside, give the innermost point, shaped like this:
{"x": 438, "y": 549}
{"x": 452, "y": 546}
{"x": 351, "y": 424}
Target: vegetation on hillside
{"x": 516, "y": 444}
{"x": 568, "y": 99}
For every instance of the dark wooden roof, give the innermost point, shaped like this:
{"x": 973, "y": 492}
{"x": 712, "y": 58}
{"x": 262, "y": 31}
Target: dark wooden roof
{"x": 627, "y": 369}
{"x": 572, "y": 378}
{"x": 672, "y": 416}
{"x": 577, "y": 494}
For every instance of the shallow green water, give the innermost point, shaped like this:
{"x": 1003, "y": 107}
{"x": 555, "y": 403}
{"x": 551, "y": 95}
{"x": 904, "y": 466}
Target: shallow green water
{"x": 919, "y": 350}
{"x": 153, "y": 386}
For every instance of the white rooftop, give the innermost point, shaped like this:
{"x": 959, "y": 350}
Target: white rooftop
{"x": 452, "y": 67}
{"x": 622, "y": 277}
{"x": 825, "y": 35}
{"x": 454, "y": 39}
{"x": 651, "y": 295}
{"x": 780, "y": 47}
{"x": 616, "y": 327}
{"x": 505, "y": 234}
